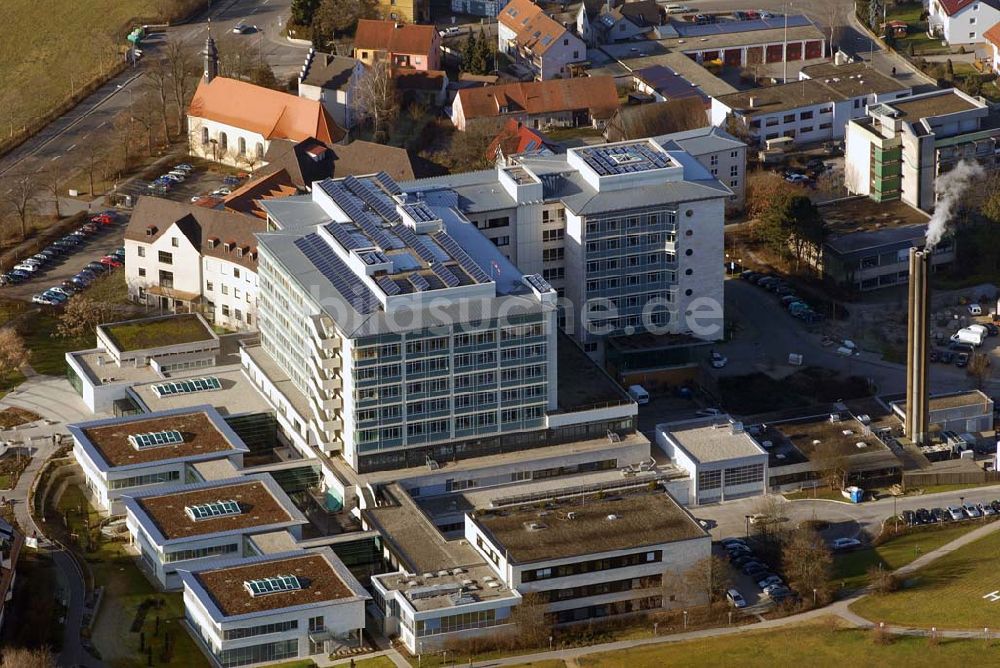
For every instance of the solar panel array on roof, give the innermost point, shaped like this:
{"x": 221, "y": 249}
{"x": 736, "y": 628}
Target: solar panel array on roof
{"x": 272, "y": 585}
{"x": 376, "y": 233}
{"x": 348, "y": 203}
{"x": 155, "y": 439}
{"x": 420, "y": 212}
{"x": 346, "y": 239}
{"x": 205, "y": 511}
{"x": 386, "y": 182}
{"x": 538, "y": 283}
{"x": 389, "y": 286}
{"x": 186, "y": 386}
{"x": 463, "y": 259}
{"x": 630, "y": 158}
{"x": 379, "y": 203}
{"x": 412, "y": 241}
{"x": 447, "y": 276}
{"x": 340, "y": 276}
{"x": 419, "y": 282}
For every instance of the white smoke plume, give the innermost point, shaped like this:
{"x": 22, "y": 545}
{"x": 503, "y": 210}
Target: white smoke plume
{"x": 949, "y": 189}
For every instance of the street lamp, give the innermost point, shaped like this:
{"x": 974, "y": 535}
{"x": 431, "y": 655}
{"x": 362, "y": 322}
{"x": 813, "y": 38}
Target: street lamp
{"x": 655, "y": 627}
{"x": 747, "y": 517}
{"x": 814, "y": 597}
{"x": 685, "y": 619}
{"x": 550, "y": 643}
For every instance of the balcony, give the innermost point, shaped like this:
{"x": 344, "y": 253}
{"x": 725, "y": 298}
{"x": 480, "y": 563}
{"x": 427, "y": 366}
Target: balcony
{"x": 331, "y": 384}
{"x": 334, "y": 403}
{"x": 330, "y": 363}
{"x": 323, "y": 333}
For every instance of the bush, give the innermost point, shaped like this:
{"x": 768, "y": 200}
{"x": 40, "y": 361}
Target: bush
{"x": 882, "y": 581}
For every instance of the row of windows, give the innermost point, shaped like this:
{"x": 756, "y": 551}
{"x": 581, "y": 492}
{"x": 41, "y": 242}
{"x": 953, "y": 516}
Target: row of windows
{"x": 266, "y": 653}
{"x": 631, "y": 241}
{"x": 200, "y": 553}
{"x": 148, "y": 479}
{"x": 613, "y": 587}
{"x": 553, "y": 235}
{"x": 592, "y": 566}
{"x": 460, "y": 622}
{"x": 615, "y": 282}
{"x": 630, "y": 223}
{"x": 616, "y": 263}
{"x": 261, "y": 630}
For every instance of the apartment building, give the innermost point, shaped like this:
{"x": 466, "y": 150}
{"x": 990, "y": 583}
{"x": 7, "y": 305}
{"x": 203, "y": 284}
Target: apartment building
{"x": 190, "y": 259}
{"x": 962, "y": 22}
{"x": 723, "y": 155}
{"x": 289, "y": 605}
{"x": 590, "y": 558}
{"x": 180, "y": 527}
{"x": 537, "y": 42}
{"x": 901, "y": 147}
{"x": 119, "y": 456}
{"x": 816, "y": 108}
{"x": 629, "y": 233}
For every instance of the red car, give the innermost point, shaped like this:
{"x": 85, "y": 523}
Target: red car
{"x": 111, "y": 261}
{"x": 103, "y": 219}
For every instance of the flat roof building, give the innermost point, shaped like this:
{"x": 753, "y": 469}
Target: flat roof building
{"x": 119, "y": 456}
{"x": 290, "y": 605}
{"x": 591, "y": 557}
{"x": 721, "y": 458}
{"x": 172, "y": 527}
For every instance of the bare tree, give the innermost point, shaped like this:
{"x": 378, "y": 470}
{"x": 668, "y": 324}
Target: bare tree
{"x": 807, "y": 562}
{"x": 53, "y": 182}
{"x": 250, "y": 160}
{"x": 832, "y": 464}
{"x": 9, "y": 104}
{"x": 236, "y": 57}
{"x": 532, "y": 627}
{"x": 707, "y": 580}
{"x": 82, "y": 315}
{"x": 376, "y": 101}
{"x": 183, "y": 73}
{"x": 979, "y": 369}
{"x": 22, "y": 657}
{"x": 124, "y": 129}
{"x": 20, "y": 197}
{"x": 158, "y": 92}
{"x": 13, "y": 353}
{"x": 93, "y": 157}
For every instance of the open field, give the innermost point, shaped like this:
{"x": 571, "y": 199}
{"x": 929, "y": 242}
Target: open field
{"x": 817, "y": 645}
{"x": 895, "y": 552}
{"x": 947, "y": 594}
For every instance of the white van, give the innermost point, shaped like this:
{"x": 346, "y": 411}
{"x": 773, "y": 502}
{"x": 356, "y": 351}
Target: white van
{"x": 638, "y": 394}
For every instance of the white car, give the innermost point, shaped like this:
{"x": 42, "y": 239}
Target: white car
{"x": 797, "y": 178}
{"x": 719, "y": 360}
{"x": 956, "y": 513}
{"x": 677, "y": 9}
{"x": 221, "y": 192}
{"x": 736, "y": 599}
{"x": 26, "y": 266}
{"x": 453, "y": 31}
{"x": 972, "y": 510}
{"x": 845, "y": 544}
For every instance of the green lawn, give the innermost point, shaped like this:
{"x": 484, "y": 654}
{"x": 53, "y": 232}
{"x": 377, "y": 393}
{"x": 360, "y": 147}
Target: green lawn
{"x": 897, "y": 551}
{"x": 917, "y": 35}
{"x": 48, "y": 351}
{"x": 821, "y": 492}
{"x": 814, "y": 645}
{"x": 126, "y": 588}
{"x": 170, "y": 330}
{"x": 948, "y": 593}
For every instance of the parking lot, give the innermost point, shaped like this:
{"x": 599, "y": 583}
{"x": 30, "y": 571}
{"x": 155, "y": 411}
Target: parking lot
{"x": 92, "y": 248}
{"x": 198, "y": 181}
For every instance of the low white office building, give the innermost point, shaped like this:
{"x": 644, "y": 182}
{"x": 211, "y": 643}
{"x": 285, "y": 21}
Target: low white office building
{"x": 182, "y": 527}
{"x": 286, "y": 606}
{"x": 722, "y": 460}
{"x": 119, "y": 456}
{"x": 591, "y": 557}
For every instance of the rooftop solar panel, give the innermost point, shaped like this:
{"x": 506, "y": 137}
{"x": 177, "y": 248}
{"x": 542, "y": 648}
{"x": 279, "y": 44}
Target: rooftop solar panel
{"x": 186, "y": 386}
{"x": 463, "y": 259}
{"x": 386, "y": 182}
{"x": 538, "y": 283}
{"x": 389, "y": 286}
{"x": 447, "y": 276}
{"x": 340, "y": 276}
{"x": 347, "y": 202}
{"x": 375, "y": 199}
{"x": 342, "y": 235}
{"x": 419, "y": 282}
{"x": 413, "y": 242}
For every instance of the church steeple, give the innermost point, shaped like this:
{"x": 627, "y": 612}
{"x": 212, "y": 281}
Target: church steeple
{"x": 211, "y": 55}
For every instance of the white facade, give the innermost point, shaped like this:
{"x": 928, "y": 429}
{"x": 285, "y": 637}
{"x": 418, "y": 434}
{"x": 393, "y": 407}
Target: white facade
{"x": 227, "y": 144}
{"x": 339, "y": 102}
{"x": 313, "y": 628}
{"x": 965, "y": 26}
{"x": 163, "y": 557}
{"x": 171, "y": 273}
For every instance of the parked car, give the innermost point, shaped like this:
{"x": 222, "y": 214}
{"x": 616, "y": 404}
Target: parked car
{"x": 703, "y": 19}
{"x": 768, "y": 581}
{"x": 221, "y": 192}
{"x": 185, "y": 167}
{"x": 971, "y": 510}
{"x": 719, "y": 360}
{"x": 844, "y": 544}
{"x": 103, "y": 219}
{"x": 940, "y": 515}
{"x": 26, "y": 267}
{"x": 962, "y": 360}
{"x": 111, "y": 261}
{"x": 42, "y": 299}
{"x": 795, "y": 177}
{"x": 956, "y": 513}
{"x": 452, "y": 31}
{"x": 779, "y": 593}
{"x": 244, "y": 28}
{"x": 753, "y": 567}
{"x": 736, "y": 599}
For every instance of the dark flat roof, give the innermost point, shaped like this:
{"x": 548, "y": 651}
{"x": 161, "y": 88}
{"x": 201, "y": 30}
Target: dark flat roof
{"x": 643, "y": 519}
{"x": 916, "y": 108}
{"x": 258, "y": 508}
{"x": 319, "y": 581}
{"x": 582, "y": 383}
{"x": 200, "y": 437}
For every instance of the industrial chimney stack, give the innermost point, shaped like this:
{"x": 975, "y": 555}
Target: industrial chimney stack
{"x": 918, "y": 333}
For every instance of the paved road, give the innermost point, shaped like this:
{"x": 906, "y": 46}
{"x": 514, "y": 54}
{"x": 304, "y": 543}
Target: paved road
{"x": 767, "y": 334}
{"x": 62, "y": 145}
{"x": 53, "y": 399}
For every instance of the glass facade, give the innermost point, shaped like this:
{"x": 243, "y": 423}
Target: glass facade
{"x": 272, "y": 651}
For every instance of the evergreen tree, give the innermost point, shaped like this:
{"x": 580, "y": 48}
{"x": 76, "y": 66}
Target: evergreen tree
{"x": 467, "y": 51}
{"x": 484, "y": 54}
{"x": 302, "y": 11}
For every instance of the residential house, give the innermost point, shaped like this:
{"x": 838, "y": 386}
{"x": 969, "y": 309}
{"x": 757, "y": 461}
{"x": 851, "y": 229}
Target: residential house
{"x": 234, "y": 122}
{"x": 901, "y": 147}
{"x": 814, "y": 109}
{"x": 406, "y": 11}
{"x": 538, "y": 42}
{"x": 309, "y": 161}
{"x": 584, "y": 101}
{"x": 627, "y": 21}
{"x": 516, "y": 138}
{"x": 403, "y": 45}
{"x": 992, "y": 37}
{"x": 961, "y": 22}
{"x": 332, "y": 80}
{"x": 188, "y": 258}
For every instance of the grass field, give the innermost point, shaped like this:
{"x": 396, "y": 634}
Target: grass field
{"x": 48, "y": 351}
{"x": 50, "y": 47}
{"x": 947, "y": 594}
{"x": 815, "y": 645}
{"x": 851, "y": 568}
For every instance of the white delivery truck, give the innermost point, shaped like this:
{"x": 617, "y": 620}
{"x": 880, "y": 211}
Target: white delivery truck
{"x": 638, "y": 394}
{"x": 970, "y": 336}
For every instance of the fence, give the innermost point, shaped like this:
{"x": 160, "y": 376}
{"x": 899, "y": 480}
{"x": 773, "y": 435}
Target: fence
{"x": 929, "y": 479}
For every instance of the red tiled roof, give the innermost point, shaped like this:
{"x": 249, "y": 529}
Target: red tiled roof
{"x": 540, "y": 33}
{"x": 270, "y": 113}
{"x": 269, "y": 186}
{"x": 395, "y": 38}
{"x": 518, "y": 13}
{"x": 993, "y": 35}
{"x": 597, "y": 94}
{"x": 516, "y": 138}
{"x": 950, "y": 7}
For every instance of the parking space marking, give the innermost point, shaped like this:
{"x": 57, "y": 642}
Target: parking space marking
{"x": 71, "y": 148}
{"x": 54, "y": 158}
